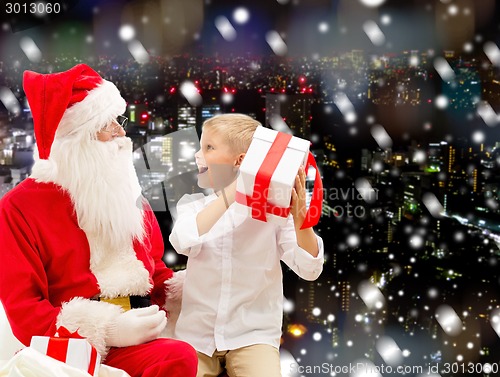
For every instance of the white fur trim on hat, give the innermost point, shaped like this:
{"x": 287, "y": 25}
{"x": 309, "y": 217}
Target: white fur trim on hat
{"x": 94, "y": 112}
{"x": 43, "y": 170}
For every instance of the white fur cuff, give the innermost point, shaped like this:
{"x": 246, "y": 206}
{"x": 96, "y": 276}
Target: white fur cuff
{"x": 91, "y": 319}
{"x": 175, "y": 284}
{"x": 173, "y": 301}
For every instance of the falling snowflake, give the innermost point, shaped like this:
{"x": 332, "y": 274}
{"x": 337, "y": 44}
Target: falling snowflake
{"x": 316, "y": 312}
{"x": 416, "y": 241}
{"x": 374, "y": 33}
{"x": 432, "y": 204}
{"x": 433, "y": 293}
{"x": 10, "y": 101}
{"x": 371, "y": 295}
{"x": 487, "y": 114}
{"x": 225, "y": 28}
{"x": 138, "y": 51}
{"x": 492, "y": 52}
{"x": 170, "y": 258}
{"x": 277, "y": 123}
{"x": 444, "y": 69}
{"x": 441, "y": 102}
{"x": 372, "y": 3}
{"x": 317, "y": 336}
{"x": 366, "y": 190}
{"x": 227, "y": 98}
{"x": 389, "y": 351}
{"x": 492, "y": 204}
{"x": 323, "y": 27}
{"x": 468, "y": 47}
{"x": 346, "y": 107}
{"x": 478, "y": 137}
{"x": 453, "y": 10}
{"x": 288, "y": 306}
{"x": 377, "y": 166}
{"x": 353, "y": 240}
{"x": 276, "y": 43}
{"x": 126, "y": 33}
{"x": 448, "y": 320}
{"x": 190, "y": 92}
{"x": 31, "y": 50}
{"x": 385, "y": 19}
{"x": 458, "y": 236}
{"x": 381, "y": 136}
{"x": 241, "y": 15}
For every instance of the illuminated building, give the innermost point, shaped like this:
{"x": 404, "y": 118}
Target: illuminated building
{"x": 186, "y": 117}
{"x": 451, "y": 158}
{"x": 345, "y": 292}
{"x": 294, "y": 109}
{"x": 208, "y": 111}
{"x": 366, "y": 160}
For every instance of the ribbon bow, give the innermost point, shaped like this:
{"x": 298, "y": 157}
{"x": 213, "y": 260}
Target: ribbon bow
{"x": 58, "y": 348}
{"x": 63, "y": 332}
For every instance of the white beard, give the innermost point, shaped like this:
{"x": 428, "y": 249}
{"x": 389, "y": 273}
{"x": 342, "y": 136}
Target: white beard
{"x": 101, "y": 180}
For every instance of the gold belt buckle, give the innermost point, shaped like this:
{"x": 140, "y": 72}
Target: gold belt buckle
{"x": 124, "y": 302}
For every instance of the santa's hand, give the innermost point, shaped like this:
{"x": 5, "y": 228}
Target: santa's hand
{"x": 136, "y": 326}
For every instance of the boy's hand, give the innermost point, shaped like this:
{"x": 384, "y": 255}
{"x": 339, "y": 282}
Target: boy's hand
{"x": 299, "y": 208}
{"x": 306, "y": 238}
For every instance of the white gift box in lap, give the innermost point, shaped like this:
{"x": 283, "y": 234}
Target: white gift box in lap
{"x": 275, "y": 156}
{"x": 77, "y": 353}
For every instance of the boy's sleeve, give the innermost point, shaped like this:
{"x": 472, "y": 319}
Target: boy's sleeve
{"x": 184, "y": 236}
{"x": 299, "y": 260}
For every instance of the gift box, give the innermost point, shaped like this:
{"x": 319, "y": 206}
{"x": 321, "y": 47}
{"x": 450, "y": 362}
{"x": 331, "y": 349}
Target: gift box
{"x": 70, "y": 348}
{"x": 267, "y": 176}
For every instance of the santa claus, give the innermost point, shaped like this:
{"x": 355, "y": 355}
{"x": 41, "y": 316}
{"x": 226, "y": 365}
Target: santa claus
{"x": 80, "y": 247}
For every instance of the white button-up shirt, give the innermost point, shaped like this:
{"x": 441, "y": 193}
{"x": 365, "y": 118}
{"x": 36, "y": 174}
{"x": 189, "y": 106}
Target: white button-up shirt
{"x": 233, "y": 292}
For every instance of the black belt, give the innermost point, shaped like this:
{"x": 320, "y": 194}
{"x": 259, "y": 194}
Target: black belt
{"x": 127, "y": 302}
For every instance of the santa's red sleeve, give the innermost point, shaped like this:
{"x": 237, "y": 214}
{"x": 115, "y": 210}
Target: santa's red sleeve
{"x": 23, "y": 282}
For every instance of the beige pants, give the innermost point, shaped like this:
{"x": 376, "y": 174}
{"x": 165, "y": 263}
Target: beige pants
{"x": 253, "y": 361}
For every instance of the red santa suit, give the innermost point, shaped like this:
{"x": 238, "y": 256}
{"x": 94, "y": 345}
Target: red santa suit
{"x": 53, "y": 270}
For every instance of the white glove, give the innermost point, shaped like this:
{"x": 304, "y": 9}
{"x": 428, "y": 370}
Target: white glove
{"x": 136, "y": 326}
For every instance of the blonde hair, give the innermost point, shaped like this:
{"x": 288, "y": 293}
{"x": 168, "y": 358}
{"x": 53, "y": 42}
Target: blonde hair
{"x": 236, "y": 129}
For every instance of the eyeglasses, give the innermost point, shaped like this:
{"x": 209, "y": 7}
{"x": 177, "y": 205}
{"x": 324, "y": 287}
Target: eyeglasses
{"x": 115, "y": 127}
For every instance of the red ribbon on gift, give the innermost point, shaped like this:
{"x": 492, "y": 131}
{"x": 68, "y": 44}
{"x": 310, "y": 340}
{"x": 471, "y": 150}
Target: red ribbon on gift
{"x": 258, "y": 202}
{"x": 58, "y": 347}
{"x": 268, "y": 208}
{"x": 265, "y": 173}
{"x": 315, "y": 206}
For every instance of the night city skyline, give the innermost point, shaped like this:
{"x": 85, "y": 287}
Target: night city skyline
{"x": 404, "y": 129}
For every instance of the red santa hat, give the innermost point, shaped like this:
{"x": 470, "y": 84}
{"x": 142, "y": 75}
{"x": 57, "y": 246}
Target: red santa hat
{"x": 77, "y": 102}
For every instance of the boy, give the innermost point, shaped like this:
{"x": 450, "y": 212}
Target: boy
{"x": 232, "y": 302}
